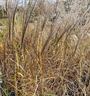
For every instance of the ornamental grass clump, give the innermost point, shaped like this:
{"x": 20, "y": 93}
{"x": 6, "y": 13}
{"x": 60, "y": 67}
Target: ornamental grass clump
{"x": 45, "y": 57}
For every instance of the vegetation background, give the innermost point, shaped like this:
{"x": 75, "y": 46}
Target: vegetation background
{"x": 41, "y": 55}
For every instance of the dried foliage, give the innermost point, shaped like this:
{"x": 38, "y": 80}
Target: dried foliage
{"x": 43, "y": 56}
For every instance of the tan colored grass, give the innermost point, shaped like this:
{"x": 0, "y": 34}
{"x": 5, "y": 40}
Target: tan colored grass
{"x": 44, "y": 58}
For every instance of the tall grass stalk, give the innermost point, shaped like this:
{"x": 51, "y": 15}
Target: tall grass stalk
{"x": 43, "y": 55}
